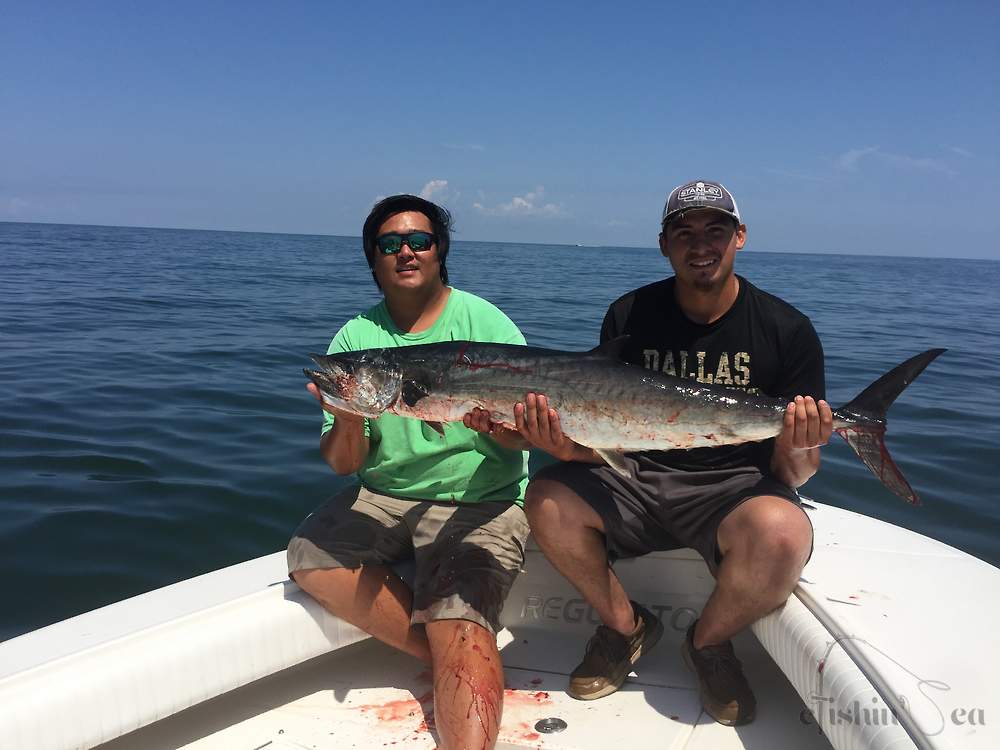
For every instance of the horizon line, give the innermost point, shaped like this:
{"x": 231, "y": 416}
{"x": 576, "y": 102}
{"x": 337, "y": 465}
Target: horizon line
{"x": 489, "y": 242}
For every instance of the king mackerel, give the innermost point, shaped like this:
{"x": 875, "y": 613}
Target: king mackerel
{"x": 602, "y": 403}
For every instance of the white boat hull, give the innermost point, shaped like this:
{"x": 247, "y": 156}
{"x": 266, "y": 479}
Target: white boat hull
{"x": 241, "y": 658}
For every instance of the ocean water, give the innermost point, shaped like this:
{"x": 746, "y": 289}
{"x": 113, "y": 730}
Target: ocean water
{"x": 154, "y": 422}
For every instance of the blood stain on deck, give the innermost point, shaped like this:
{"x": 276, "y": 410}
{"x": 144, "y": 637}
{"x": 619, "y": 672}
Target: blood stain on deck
{"x": 512, "y": 697}
{"x": 404, "y": 709}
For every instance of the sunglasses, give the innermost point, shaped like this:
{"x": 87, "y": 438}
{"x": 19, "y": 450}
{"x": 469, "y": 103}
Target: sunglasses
{"x": 391, "y": 243}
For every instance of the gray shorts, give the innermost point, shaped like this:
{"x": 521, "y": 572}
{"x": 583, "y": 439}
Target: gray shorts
{"x": 467, "y": 555}
{"x": 663, "y": 508}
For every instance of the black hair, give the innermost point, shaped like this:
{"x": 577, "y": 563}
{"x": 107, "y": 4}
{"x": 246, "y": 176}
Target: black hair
{"x": 682, "y": 214}
{"x": 438, "y": 216}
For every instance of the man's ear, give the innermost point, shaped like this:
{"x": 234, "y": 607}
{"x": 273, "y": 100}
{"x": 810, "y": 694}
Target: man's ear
{"x": 663, "y": 245}
{"x": 741, "y": 236}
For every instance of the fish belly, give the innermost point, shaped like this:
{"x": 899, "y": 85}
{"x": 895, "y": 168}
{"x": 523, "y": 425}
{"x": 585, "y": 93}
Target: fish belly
{"x": 600, "y": 410}
{"x": 649, "y": 426}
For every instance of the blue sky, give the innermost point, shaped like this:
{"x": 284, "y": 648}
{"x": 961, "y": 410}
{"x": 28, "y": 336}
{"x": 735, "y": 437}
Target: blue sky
{"x": 853, "y": 127}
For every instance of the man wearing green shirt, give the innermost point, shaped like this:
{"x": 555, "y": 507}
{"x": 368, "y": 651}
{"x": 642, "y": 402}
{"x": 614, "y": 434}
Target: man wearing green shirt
{"x": 452, "y": 502}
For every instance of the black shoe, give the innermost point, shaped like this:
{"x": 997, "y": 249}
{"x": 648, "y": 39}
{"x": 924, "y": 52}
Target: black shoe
{"x": 610, "y": 656}
{"x": 725, "y": 693}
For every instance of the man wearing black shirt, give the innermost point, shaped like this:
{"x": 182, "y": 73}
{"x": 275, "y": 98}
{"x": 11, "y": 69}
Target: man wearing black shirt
{"x": 736, "y": 505}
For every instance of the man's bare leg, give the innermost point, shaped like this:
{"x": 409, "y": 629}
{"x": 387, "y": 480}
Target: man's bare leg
{"x": 372, "y": 598}
{"x": 765, "y": 543}
{"x": 468, "y": 684}
{"x": 571, "y": 534}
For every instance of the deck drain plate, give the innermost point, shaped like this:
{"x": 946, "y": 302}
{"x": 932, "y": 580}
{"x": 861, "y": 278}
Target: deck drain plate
{"x": 550, "y": 725}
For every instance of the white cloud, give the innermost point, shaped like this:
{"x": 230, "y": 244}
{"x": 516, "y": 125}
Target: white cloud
{"x": 849, "y": 160}
{"x": 428, "y": 191}
{"x": 924, "y": 163}
{"x": 530, "y": 204}
{"x": 960, "y": 151}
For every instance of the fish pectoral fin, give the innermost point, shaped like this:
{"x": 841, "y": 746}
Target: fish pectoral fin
{"x": 412, "y": 392}
{"x": 436, "y": 426}
{"x": 615, "y": 459}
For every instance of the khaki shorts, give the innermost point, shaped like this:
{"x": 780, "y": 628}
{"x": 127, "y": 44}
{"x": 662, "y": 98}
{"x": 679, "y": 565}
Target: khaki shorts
{"x": 467, "y": 555}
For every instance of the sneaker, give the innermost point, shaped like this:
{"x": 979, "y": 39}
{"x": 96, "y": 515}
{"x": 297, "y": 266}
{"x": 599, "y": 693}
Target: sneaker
{"x": 610, "y": 656}
{"x": 725, "y": 693}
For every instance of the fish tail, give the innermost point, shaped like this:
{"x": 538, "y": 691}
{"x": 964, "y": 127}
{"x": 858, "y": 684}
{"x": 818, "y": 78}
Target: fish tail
{"x": 866, "y": 420}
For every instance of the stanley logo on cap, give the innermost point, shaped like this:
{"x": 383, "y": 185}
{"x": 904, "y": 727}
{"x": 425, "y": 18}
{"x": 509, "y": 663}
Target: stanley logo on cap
{"x": 700, "y": 192}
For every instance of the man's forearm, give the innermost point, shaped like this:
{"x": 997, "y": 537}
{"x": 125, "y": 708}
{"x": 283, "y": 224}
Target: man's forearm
{"x": 344, "y": 447}
{"x": 795, "y": 469}
{"x": 576, "y": 452}
{"x": 585, "y": 455}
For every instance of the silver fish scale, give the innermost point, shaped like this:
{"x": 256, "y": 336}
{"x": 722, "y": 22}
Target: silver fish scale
{"x": 601, "y": 403}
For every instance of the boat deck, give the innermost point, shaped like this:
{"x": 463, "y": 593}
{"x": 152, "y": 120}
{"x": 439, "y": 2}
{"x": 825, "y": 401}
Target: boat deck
{"x": 369, "y": 696}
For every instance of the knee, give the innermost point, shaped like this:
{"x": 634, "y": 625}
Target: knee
{"x": 784, "y": 538}
{"x": 458, "y": 640}
{"x": 306, "y": 579}
{"x": 538, "y": 500}
{"x": 545, "y": 504}
{"x": 321, "y": 584}
{"x": 557, "y": 512}
{"x": 787, "y": 552}
{"x": 776, "y": 533}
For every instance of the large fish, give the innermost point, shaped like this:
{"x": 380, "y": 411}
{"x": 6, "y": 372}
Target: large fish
{"x": 603, "y": 403}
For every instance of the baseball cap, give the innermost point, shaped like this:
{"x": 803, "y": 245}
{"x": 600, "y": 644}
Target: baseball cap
{"x": 699, "y": 194}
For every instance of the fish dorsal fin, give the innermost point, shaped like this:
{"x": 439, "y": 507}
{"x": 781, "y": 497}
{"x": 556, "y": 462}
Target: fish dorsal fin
{"x": 612, "y": 348}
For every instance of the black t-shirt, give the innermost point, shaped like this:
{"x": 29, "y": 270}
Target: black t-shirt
{"x": 761, "y": 345}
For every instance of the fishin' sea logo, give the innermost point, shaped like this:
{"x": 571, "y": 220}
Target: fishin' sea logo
{"x": 917, "y": 712}
{"x": 876, "y": 714}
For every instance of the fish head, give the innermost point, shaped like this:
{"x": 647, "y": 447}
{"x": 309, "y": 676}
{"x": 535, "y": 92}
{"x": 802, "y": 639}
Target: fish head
{"x": 365, "y": 383}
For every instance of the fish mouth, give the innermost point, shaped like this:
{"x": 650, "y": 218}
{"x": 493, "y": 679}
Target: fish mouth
{"x": 341, "y": 391}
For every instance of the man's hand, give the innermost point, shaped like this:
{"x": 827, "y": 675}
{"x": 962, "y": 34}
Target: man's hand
{"x": 338, "y": 413}
{"x": 539, "y": 425}
{"x": 481, "y": 421}
{"x": 807, "y": 425}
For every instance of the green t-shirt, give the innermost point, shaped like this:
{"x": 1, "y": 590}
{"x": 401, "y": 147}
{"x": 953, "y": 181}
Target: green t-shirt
{"x": 406, "y": 458}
